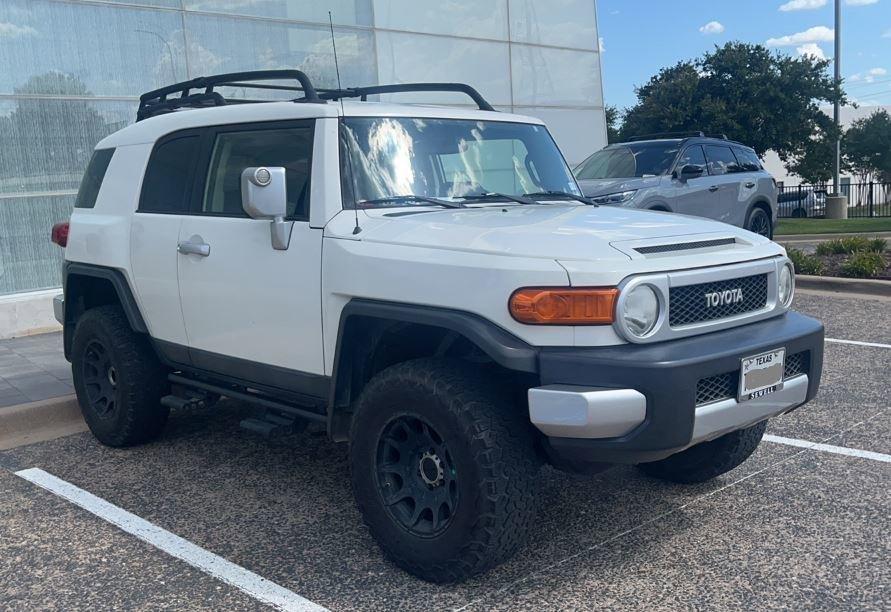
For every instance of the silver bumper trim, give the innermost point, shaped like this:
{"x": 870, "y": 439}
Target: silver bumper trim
{"x": 716, "y": 419}
{"x": 59, "y": 308}
{"x": 569, "y": 411}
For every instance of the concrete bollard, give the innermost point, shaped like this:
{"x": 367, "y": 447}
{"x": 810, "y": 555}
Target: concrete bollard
{"x": 836, "y": 207}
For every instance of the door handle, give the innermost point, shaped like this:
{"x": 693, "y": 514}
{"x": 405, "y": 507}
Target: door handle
{"x": 193, "y": 248}
{"x": 713, "y": 188}
{"x": 750, "y": 184}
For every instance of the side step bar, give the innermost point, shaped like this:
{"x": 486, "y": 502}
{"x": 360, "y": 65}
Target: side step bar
{"x": 247, "y": 396}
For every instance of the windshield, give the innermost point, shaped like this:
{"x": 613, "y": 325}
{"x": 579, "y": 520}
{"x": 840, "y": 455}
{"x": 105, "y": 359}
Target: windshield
{"x": 389, "y": 158}
{"x": 629, "y": 160}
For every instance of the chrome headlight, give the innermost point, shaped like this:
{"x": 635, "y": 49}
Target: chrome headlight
{"x": 620, "y": 197}
{"x": 640, "y": 310}
{"x": 786, "y": 285}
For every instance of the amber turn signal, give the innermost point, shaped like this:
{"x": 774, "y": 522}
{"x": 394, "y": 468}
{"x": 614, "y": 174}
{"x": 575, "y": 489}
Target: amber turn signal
{"x": 564, "y": 306}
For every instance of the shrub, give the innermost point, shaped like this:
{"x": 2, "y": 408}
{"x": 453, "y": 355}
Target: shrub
{"x": 806, "y": 264}
{"x": 851, "y": 245}
{"x": 863, "y": 265}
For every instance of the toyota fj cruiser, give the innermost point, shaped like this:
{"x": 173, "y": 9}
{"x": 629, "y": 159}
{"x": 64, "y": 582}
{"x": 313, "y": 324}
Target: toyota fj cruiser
{"x": 431, "y": 285}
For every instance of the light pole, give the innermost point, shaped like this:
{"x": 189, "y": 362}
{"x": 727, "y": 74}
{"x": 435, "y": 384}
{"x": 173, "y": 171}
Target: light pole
{"x": 170, "y": 51}
{"x": 836, "y": 175}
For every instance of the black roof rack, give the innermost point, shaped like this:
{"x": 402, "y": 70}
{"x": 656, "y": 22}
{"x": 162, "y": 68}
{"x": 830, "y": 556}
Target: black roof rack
{"x": 166, "y": 100}
{"x": 363, "y": 92}
{"x": 157, "y": 102}
{"x": 691, "y": 134}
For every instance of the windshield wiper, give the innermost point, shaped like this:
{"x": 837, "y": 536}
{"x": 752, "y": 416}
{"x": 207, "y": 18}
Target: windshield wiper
{"x": 498, "y": 196}
{"x": 410, "y": 197}
{"x": 560, "y": 194}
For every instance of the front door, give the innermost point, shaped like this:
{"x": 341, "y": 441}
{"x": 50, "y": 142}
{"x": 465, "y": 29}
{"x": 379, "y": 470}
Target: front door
{"x": 698, "y": 196}
{"x": 250, "y": 311}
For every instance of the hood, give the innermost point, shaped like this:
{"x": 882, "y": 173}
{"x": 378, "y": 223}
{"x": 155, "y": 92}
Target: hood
{"x": 597, "y": 187}
{"x": 552, "y": 231}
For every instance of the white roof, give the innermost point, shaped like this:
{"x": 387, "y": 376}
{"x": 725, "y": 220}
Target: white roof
{"x": 149, "y": 130}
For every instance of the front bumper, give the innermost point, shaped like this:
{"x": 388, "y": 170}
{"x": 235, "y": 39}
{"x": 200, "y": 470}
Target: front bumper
{"x": 59, "y": 308}
{"x": 638, "y": 403}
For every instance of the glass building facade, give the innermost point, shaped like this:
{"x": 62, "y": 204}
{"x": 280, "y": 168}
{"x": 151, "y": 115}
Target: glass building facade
{"x": 71, "y": 72}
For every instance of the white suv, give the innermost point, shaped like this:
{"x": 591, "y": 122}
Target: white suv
{"x": 430, "y": 284}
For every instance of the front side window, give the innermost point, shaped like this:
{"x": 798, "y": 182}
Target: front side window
{"x": 92, "y": 180}
{"x": 168, "y": 178}
{"x": 720, "y": 160}
{"x": 692, "y": 156}
{"x": 390, "y": 157}
{"x": 629, "y": 161}
{"x": 290, "y": 148}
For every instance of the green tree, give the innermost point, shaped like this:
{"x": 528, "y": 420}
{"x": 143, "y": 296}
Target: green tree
{"x": 867, "y": 146}
{"x": 612, "y": 124}
{"x": 765, "y": 99}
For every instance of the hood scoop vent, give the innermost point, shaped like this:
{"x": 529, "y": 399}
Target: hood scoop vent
{"x": 654, "y": 249}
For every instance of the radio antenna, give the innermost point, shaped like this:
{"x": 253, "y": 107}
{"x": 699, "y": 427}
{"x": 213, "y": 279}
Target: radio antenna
{"x": 356, "y": 229}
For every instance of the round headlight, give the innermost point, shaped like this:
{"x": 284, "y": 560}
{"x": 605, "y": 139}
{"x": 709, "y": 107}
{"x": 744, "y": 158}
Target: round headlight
{"x": 786, "y": 285}
{"x": 640, "y": 310}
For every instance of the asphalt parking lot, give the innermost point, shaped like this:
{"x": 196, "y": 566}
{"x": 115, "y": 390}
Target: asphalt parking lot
{"x": 793, "y": 527}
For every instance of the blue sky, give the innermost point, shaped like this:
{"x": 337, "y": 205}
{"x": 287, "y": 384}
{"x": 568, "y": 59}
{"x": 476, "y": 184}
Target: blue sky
{"x": 639, "y": 37}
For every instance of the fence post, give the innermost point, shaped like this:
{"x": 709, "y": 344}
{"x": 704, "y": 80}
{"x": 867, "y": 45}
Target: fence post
{"x": 799, "y": 202}
{"x": 871, "y": 207}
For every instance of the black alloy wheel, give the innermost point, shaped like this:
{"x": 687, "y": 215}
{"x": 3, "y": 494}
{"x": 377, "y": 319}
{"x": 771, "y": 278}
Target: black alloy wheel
{"x": 100, "y": 379}
{"x": 416, "y": 476}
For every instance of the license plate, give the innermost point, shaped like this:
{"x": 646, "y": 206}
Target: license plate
{"x": 761, "y": 375}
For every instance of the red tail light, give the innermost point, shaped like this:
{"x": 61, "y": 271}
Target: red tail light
{"x": 59, "y": 234}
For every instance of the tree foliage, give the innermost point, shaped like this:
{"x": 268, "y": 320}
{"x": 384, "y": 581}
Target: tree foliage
{"x": 867, "y": 146}
{"x": 765, "y": 99}
{"x": 612, "y": 124}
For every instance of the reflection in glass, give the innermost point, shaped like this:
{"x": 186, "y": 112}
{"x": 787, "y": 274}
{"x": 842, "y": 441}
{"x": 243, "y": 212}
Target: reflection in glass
{"x": 347, "y": 12}
{"x": 562, "y": 23}
{"x": 28, "y": 260}
{"x": 473, "y": 18}
{"x": 450, "y": 158}
{"x": 547, "y": 77}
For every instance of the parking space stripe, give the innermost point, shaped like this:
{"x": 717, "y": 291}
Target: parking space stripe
{"x": 242, "y": 579}
{"x": 858, "y": 343}
{"x": 828, "y": 448}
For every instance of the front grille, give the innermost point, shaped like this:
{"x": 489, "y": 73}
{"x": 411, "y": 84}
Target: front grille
{"x": 724, "y": 386}
{"x": 684, "y": 246}
{"x": 688, "y": 304}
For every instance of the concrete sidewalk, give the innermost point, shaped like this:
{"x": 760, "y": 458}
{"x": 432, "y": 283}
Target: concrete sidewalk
{"x": 33, "y": 368}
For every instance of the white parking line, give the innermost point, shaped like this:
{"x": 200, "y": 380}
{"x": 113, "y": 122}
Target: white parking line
{"x": 246, "y": 581}
{"x": 828, "y": 448}
{"x": 858, "y": 343}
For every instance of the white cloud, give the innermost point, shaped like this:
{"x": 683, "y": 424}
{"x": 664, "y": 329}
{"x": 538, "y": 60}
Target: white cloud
{"x": 600, "y": 46}
{"x": 11, "y": 30}
{"x": 869, "y": 76}
{"x": 811, "y": 35}
{"x": 887, "y": 33}
{"x": 802, "y": 5}
{"x": 860, "y": 2}
{"x": 811, "y": 50}
{"x": 877, "y": 72}
{"x": 712, "y": 27}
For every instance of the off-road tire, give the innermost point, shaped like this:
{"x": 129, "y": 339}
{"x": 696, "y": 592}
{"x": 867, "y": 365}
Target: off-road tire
{"x": 137, "y": 415}
{"x": 708, "y": 459}
{"x": 492, "y": 447}
{"x": 759, "y": 222}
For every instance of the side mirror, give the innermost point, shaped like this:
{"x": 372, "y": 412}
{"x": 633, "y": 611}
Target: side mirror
{"x": 264, "y": 195}
{"x": 690, "y": 171}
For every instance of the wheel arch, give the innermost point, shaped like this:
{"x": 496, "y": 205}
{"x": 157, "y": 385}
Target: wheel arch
{"x": 373, "y": 335}
{"x": 87, "y": 286}
{"x": 764, "y": 205}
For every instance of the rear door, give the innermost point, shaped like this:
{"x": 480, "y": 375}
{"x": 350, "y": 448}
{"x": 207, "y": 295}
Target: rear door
{"x": 154, "y": 232}
{"x": 252, "y": 312}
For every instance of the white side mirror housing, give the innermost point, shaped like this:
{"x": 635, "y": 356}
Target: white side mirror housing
{"x": 264, "y": 195}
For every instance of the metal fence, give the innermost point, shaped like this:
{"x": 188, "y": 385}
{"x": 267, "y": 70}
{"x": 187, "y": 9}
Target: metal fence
{"x": 864, "y": 200}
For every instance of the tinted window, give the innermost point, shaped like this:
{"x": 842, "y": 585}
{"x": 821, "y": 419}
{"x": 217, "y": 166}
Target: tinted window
{"x": 92, "y": 180}
{"x": 747, "y": 160}
{"x": 720, "y": 159}
{"x": 168, "y": 178}
{"x": 290, "y": 148}
{"x": 691, "y": 156}
{"x": 629, "y": 160}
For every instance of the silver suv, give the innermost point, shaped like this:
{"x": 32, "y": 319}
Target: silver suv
{"x": 695, "y": 175}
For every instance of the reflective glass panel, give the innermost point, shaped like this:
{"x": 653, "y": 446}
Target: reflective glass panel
{"x": 545, "y": 77}
{"x": 476, "y": 18}
{"x": 563, "y": 23}
{"x": 28, "y": 260}
{"x": 347, "y": 12}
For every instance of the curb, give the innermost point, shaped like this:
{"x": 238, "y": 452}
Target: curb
{"x": 40, "y": 421}
{"x": 863, "y": 286}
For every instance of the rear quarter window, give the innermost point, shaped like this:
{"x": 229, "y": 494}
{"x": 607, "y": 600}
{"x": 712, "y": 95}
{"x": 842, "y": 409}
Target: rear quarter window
{"x": 92, "y": 180}
{"x": 748, "y": 160}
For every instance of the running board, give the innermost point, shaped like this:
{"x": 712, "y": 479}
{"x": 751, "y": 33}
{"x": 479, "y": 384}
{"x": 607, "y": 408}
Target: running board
{"x": 246, "y": 395}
